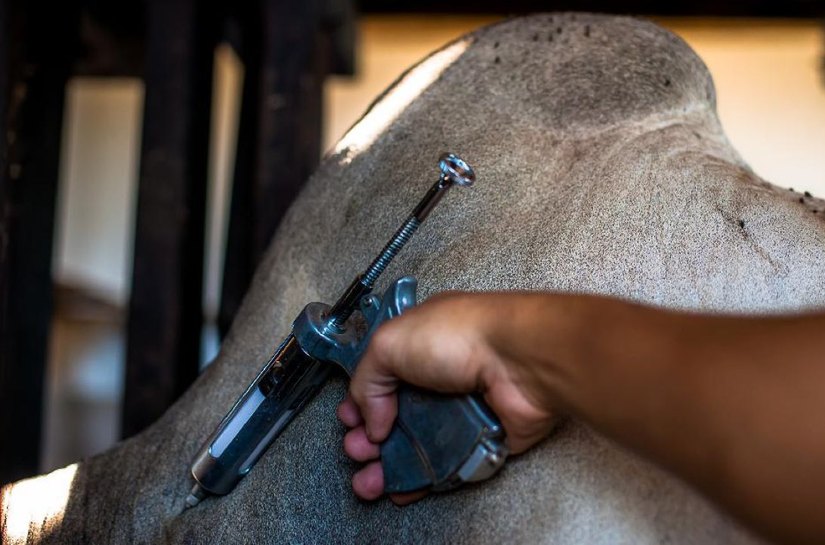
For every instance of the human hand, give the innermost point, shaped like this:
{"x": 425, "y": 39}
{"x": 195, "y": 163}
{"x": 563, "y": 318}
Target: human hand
{"x": 447, "y": 344}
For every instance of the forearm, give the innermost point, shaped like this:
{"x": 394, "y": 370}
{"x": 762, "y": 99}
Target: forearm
{"x": 731, "y": 405}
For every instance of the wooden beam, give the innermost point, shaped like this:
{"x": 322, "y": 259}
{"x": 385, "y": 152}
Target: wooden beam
{"x": 37, "y": 48}
{"x": 286, "y": 56}
{"x": 338, "y": 29}
{"x": 675, "y": 8}
{"x": 165, "y": 314}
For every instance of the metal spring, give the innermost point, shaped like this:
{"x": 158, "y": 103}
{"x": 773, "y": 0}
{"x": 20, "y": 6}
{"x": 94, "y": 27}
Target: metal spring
{"x": 390, "y": 250}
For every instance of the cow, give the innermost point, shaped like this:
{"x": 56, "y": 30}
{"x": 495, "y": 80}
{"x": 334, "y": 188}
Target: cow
{"x": 601, "y": 168}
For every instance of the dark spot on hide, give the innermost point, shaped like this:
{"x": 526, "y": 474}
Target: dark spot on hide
{"x": 495, "y": 45}
{"x": 742, "y": 224}
{"x": 350, "y": 212}
{"x": 667, "y": 82}
{"x": 558, "y": 30}
{"x": 535, "y": 37}
{"x": 190, "y": 538}
{"x": 807, "y": 194}
{"x": 496, "y": 60}
{"x": 790, "y": 189}
{"x": 586, "y": 31}
{"x": 550, "y": 38}
{"x": 801, "y": 200}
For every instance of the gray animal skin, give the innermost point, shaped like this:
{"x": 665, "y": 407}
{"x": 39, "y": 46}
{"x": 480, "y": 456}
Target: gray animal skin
{"x": 602, "y": 168}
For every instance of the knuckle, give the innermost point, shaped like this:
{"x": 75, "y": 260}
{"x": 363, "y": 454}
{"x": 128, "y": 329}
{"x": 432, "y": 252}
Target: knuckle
{"x": 381, "y": 344}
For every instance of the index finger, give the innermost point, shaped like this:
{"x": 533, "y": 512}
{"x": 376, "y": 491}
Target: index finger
{"x": 373, "y": 388}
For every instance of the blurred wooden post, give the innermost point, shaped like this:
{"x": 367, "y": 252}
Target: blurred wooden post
{"x": 165, "y": 312}
{"x": 288, "y": 48}
{"x": 37, "y": 48}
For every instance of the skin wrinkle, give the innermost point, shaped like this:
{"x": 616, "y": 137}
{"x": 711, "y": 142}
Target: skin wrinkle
{"x": 779, "y": 268}
{"x": 539, "y": 218}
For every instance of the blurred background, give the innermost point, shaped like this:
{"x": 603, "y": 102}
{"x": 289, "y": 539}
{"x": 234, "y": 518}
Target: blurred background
{"x": 152, "y": 146}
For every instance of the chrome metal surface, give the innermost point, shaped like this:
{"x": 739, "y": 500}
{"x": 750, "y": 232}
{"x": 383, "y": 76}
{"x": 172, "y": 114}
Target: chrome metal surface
{"x": 456, "y": 169}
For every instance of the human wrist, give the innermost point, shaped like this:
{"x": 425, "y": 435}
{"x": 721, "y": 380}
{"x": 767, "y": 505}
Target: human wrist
{"x": 537, "y": 340}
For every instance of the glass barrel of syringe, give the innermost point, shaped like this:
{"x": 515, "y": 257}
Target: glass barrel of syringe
{"x": 286, "y": 382}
